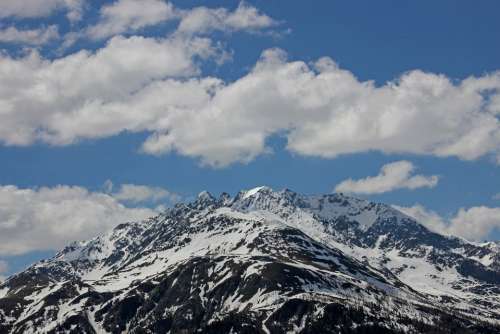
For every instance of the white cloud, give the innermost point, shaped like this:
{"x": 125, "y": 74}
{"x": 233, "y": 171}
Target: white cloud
{"x": 325, "y": 111}
{"x": 45, "y": 99}
{"x": 203, "y": 20}
{"x": 392, "y": 176}
{"x": 49, "y": 218}
{"x": 139, "y": 193}
{"x": 430, "y": 219}
{"x": 41, "y": 8}
{"x": 130, "y": 15}
{"x": 132, "y": 84}
{"x": 38, "y": 36}
{"x": 474, "y": 223}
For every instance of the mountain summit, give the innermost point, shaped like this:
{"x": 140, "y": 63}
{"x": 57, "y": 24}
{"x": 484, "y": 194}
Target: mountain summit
{"x": 263, "y": 261}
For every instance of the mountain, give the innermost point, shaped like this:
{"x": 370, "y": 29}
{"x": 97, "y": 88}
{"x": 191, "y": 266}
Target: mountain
{"x": 264, "y": 261}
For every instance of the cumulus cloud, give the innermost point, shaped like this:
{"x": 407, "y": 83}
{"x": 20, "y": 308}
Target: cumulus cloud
{"x": 130, "y": 15}
{"x": 49, "y": 218}
{"x": 42, "y": 99}
{"x": 474, "y": 223}
{"x": 132, "y": 84}
{"x": 430, "y": 219}
{"x": 37, "y": 36}
{"x": 139, "y": 193}
{"x": 325, "y": 111}
{"x": 41, "y": 8}
{"x": 392, "y": 176}
{"x": 203, "y": 20}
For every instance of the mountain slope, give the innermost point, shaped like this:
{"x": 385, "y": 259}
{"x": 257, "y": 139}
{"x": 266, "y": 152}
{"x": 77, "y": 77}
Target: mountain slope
{"x": 261, "y": 262}
{"x": 447, "y": 267}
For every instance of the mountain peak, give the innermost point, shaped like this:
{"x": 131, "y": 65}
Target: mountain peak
{"x": 257, "y": 190}
{"x": 205, "y": 195}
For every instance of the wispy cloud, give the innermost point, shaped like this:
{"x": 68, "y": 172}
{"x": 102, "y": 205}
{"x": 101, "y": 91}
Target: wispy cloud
{"x": 37, "y": 36}
{"x": 126, "y": 16}
{"x": 41, "y": 8}
{"x": 392, "y": 176}
{"x": 203, "y": 20}
{"x": 134, "y": 193}
{"x": 130, "y": 15}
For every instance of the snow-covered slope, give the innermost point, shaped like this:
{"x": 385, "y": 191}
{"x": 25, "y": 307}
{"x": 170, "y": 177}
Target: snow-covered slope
{"x": 452, "y": 269}
{"x": 262, "y": 262}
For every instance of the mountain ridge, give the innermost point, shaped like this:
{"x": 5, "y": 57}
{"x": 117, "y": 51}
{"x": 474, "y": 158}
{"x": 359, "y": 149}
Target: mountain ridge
{"x": 275, "y": 253}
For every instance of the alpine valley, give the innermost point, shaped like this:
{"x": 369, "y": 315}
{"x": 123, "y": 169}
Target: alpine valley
{"x": 263, "y": 261}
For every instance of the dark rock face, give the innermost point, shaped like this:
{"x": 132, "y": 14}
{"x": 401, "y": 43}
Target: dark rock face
{"x": 262, "y": 262}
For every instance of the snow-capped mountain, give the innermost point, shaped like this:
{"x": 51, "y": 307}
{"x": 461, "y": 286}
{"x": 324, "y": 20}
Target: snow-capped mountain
{"x": 262, "y": 262}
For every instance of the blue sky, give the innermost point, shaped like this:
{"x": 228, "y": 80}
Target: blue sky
{"x": 62, "y": 147}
